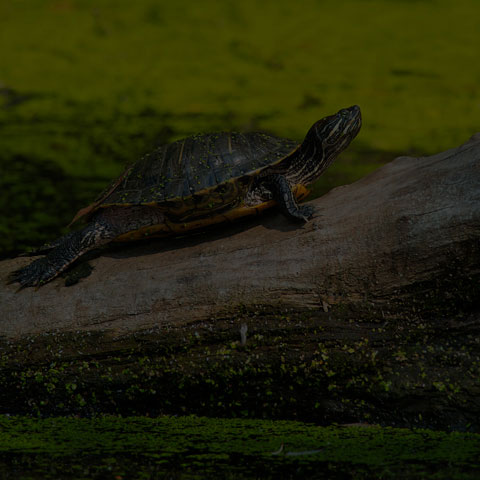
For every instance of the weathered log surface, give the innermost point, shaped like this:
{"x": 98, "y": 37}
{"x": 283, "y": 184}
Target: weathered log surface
{"x": 368, "y": 313}
{"x": 411, "y": 227}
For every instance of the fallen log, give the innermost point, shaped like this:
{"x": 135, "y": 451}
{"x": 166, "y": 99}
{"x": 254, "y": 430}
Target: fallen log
{"x": 411, "y": 229}
{"x": 379, "y": 280}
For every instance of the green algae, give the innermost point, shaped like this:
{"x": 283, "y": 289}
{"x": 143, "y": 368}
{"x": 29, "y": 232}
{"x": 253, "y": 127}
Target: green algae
{"x": 86, "y": 88}
{"x": 191, "y": 447}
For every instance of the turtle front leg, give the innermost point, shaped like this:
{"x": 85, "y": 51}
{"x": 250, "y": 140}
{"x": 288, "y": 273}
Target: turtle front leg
{"x": 283, "y": 195}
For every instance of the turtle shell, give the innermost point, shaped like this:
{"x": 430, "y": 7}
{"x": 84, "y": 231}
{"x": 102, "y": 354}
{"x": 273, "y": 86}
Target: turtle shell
{"x": 197, "y": 175}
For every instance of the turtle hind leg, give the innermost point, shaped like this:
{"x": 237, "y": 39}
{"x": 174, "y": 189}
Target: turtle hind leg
{"x": 106, "y": 225}
{"x": 46, "y": 247}
{"x": 67, "y": 250}
{"x": 283, "y": 195}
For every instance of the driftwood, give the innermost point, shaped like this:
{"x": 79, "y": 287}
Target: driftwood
{"x": 393, "y": 259}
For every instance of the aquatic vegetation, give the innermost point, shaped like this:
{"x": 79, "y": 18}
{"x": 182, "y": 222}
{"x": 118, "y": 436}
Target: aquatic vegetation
{"x": 203, "y": 369}
{"x": 195, "y": 447}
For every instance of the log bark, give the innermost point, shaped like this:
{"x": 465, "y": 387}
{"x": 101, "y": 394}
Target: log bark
{"x": 384, "y": 278}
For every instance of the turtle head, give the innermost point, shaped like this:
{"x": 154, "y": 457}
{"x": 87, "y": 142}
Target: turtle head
{"x": 337, "y": 131}
{"x": 325, "y": 140}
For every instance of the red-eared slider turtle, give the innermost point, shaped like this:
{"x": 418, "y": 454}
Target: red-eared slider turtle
{"x": 199, "y": 181}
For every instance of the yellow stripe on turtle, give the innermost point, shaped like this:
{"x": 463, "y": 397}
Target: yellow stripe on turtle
{"x": 171, "y": 228}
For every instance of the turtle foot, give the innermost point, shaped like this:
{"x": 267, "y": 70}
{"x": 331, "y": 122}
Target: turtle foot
{"x": 36, "y": 274}
{"x": 303, "y": 213}
{"x": 307, "y": 211}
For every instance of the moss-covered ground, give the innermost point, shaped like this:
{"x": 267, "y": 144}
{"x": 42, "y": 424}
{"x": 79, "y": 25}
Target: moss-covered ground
{"x": 196, "y": 447}
{"x": 312, "y": 367}
{"x": 88, "y": 86}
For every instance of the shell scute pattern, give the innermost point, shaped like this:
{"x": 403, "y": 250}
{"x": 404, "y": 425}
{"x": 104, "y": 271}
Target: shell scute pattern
{"x": 216, "y": 166}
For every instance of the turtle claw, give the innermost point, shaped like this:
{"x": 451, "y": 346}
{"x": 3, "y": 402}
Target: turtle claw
{"x": 303, "y": 214}
{"x": 13, "y": 277}
{"x": 307, "y": 212}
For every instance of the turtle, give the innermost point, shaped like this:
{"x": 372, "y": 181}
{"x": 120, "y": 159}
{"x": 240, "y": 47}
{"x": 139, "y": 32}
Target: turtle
{"x": 199, "y": 181}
